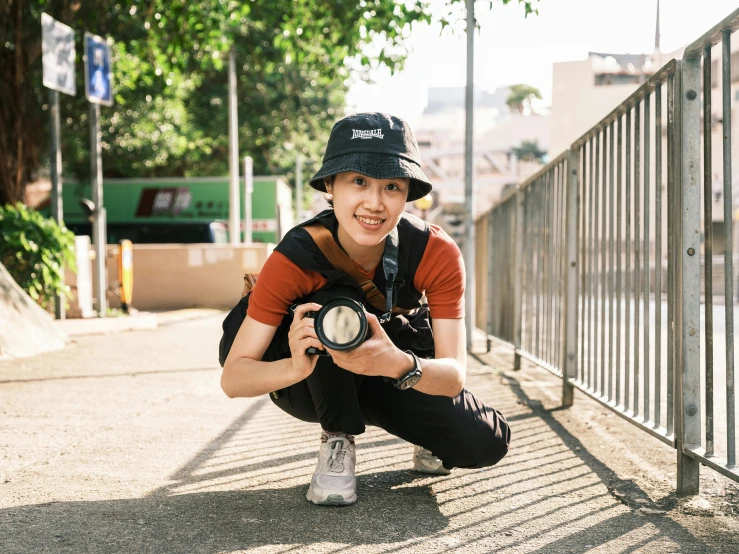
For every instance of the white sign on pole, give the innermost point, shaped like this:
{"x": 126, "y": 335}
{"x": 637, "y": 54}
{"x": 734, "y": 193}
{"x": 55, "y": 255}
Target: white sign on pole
{"x": 57, "y": 48}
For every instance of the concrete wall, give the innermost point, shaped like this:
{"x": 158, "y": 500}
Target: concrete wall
{"x": 175, "y": 276}
{"x": 577, "y": 104}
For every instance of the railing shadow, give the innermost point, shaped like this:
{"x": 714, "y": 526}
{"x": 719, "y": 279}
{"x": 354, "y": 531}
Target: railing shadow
{"x": 237, "y": 493}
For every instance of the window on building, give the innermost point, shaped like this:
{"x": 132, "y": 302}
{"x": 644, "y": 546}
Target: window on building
{"x": 609, "y": 79}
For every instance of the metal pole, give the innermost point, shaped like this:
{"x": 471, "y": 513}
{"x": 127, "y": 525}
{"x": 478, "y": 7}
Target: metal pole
{"x": 673, "y": 169}
{"x": 57, "y": 208}
{"x": 518, "y": 263}
{"x": 687, "y": 318}
{"x": 299, "y": 189}
{"x": 729, "y": 249}
{"x": 233, "y": 154}
{"x": 98, "y": 223}
{"x": 569, "y": 361}
{"x": 469, "y": 177}
{"x": 248, "y": 190}
{"x": 708, "y": 245}
{"x": 490, "y": 237}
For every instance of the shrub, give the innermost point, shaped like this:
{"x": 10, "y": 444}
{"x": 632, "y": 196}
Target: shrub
{"x": 35, "y": 250}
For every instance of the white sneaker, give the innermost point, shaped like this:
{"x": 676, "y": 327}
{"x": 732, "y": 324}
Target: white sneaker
{"x": 425, "y": 462}
{"x": 333, "y": 482}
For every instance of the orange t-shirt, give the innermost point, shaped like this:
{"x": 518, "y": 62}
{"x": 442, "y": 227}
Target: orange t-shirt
{"x": 440, "y": 275}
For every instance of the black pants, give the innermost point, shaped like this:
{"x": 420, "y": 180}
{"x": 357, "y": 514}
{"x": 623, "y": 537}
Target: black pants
{"x": 461, "y": 431}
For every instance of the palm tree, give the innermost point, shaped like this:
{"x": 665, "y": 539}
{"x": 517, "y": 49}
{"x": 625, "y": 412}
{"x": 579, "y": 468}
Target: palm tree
{"x": 520, "y": 97}
{"x": 529, "y": 151}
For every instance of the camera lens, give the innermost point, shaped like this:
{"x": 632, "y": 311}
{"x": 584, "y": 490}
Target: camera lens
{"x": 341, "y": 324}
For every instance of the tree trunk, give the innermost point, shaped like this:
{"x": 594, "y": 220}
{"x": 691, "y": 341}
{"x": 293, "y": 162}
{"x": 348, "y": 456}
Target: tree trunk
{"x": 17, "y": 185}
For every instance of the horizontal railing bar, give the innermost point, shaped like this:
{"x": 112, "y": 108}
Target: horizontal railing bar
{"x": 544, "y": 256}
{"x": 659, "y": 433}
{"x": 661, "y": 76}
{"x": 714, "y": 462}
{"x": 506, "y": 197}
{"x": 501, "y": 342}
{"x": 543, "y": 171}
{"x": 637, "y": 96}
{"x": 713, "y": 36}
{"x": 541, "y": 363}
{"x": 518, "y": 188}
{"x": 525, "y": 355}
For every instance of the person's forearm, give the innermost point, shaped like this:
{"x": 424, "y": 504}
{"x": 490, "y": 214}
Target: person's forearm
{"x": 243, "y": 377}
{"x": 440, "y": 377}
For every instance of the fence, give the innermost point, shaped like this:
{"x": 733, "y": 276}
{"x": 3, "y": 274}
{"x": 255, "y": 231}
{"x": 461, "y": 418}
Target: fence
{"x": 592, "y": 267}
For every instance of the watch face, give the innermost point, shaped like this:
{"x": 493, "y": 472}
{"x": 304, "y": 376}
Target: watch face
{"x": 411, "y": 381}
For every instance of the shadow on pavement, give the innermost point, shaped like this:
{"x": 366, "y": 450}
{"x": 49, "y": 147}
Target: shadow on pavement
{"x": 616, "y": 530}
{"x": 225, "y": 520}
{"x": 245, "y": 489}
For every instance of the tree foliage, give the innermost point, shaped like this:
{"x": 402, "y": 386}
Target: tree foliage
{"x": 170, "y": 114}
{"x": 520, "y": 97}
{"x": 35, "y": 251}
{"x": 529, "y": 151}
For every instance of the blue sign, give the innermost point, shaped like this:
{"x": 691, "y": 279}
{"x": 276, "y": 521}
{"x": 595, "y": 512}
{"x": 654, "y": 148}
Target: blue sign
{"x": 98, "y": 72}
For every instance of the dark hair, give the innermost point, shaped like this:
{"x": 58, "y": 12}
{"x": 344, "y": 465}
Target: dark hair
{"x": 329, "y": 181}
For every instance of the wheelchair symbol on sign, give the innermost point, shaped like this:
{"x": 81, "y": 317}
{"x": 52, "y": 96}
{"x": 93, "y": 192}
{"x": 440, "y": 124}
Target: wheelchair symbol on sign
{"x": 98, "y": 82}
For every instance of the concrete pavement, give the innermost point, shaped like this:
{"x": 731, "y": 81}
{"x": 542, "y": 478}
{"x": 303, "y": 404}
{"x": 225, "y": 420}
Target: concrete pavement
{"x": 125, "y": 443}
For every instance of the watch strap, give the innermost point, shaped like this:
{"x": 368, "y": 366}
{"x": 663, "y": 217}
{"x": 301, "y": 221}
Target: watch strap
{"x": 414, "y": 373}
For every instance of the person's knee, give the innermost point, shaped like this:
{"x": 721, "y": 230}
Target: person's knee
{"x": 498, "y": 438}
{"x": 487, "y": 440}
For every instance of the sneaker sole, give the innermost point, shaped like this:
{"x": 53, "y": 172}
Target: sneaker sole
{"x": 334, "y": 499}
{"x": 423, "y": 469}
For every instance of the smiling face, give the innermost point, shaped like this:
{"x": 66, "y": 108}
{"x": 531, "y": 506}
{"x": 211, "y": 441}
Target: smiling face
{"x": 367, "y": 209}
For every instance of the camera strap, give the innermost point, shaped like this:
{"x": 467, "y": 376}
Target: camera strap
{"x": 340, "y": 260}
{"x": 390, "y": 266}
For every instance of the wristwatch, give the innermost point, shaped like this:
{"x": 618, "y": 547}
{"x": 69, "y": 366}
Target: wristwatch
{"x": 412, "y": 378}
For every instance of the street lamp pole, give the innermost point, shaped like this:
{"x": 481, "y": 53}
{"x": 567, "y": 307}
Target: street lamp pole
{"x": 469, "y": 240}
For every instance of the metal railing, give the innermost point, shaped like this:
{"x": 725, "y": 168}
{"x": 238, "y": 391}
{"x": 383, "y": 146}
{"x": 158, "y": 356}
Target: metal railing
{"x": 592, "y": 265}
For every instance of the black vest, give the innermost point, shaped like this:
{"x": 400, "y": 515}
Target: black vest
{"x": 411, "y": 332}
{"x": 413, "y": 236}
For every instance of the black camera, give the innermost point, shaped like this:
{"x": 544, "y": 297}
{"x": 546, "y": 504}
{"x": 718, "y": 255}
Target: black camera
{"x": 340, "y": 324}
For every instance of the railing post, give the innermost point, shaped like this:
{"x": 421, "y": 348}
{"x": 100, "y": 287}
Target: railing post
{"x": 518, "y": 200}
{"x": 489, "y": 237}
{"x": 568, "y": 363}
{"x": 687, "y": 320}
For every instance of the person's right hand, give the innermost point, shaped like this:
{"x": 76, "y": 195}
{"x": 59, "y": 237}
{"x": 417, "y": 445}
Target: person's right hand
{"x": 301, "y": 336}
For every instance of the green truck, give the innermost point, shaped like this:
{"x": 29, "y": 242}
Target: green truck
{"x": 181, "y": 210}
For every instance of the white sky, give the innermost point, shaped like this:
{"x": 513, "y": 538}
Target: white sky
{"x": 510, "y": 49}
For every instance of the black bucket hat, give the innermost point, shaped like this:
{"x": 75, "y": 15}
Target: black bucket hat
{"x": 377, "y": 145}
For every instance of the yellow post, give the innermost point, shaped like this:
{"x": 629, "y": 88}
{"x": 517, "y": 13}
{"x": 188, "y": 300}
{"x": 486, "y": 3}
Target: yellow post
{"x": 125, "y": 273}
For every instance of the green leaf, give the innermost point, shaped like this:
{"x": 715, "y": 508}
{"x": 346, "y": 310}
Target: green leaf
{"x": 37, "y": 252}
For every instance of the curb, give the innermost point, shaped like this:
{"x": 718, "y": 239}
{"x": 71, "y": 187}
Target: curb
{"x": 102, "y": 326}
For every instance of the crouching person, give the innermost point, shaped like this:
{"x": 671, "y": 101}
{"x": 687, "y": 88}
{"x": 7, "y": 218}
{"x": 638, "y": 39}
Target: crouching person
{"x": 408, "y": 375}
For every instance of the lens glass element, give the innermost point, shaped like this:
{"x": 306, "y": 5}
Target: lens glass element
{"x": 341, "y": 325}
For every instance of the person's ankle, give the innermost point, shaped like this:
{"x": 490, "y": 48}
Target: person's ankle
{"x": 326, "y": 435}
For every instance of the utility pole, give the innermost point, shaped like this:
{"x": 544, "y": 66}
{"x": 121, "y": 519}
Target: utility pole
{"x": 98, "y": 90}
{"x": 233, "y": 154}
{"x": 298, "y": 189}
{"x": 57, "y": 205}
{"x": 58, "y": 61}
{"x": 99, "y": 224}
{"x": 248, "y": 190}
{"x": 469, "y": 176}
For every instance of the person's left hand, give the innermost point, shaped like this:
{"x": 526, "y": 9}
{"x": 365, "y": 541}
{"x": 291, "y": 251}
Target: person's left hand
{"x": 377, "y": 356}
